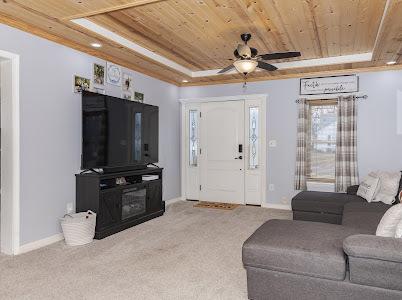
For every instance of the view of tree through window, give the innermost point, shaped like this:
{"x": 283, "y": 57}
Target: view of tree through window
{"x": 323, "y": 141}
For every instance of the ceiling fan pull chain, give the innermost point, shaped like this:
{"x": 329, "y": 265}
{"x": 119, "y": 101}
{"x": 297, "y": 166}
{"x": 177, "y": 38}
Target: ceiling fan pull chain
{"x": 245, "y": 84}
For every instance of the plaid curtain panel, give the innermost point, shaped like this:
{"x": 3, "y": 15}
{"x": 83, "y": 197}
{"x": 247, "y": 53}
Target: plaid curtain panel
{"x": 302, "y": 149}
{"x": 346, "y": 172}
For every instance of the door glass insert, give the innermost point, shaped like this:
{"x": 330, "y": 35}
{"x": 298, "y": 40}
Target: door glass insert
{"x": 253, "y": 137}
{"x": 193, "y": 138}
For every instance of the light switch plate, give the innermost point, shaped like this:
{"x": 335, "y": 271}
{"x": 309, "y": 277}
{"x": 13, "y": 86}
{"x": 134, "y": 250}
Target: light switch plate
{"x": 271, "y": 187}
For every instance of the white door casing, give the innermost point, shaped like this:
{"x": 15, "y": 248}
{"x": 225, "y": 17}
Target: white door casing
{"x": 254, "y": 177}
{"x": 221, "y": 162}
{"x": 10, "y": 153}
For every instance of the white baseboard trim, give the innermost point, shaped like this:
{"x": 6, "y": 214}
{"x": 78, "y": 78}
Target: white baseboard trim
{"x": 59, "y": 237}
{"x": 277, "y": 206}
{"x": 40, "y": 243}
{"x": 174, "y": 200}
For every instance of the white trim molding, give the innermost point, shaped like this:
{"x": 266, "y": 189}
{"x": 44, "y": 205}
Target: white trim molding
{"x": 277, "y": 206}
{"x": 110, "y": 35}
{"x": 10, "y": 157}
{"x": 316, "y": 62}
{"x": 262, "y": 97}
{"x": 174, "y": 200}
{"x": 130, "y": 45}
{"x": 190, "y": 103}
{"x": 40, "y": 243}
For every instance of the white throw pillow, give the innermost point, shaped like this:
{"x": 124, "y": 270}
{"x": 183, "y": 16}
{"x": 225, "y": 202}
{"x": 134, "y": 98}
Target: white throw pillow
{"x": 389, "y": 184}
{"x": 398, "y": 231}
{"x": 389, "y": 221}
{"x": 368, "y": 188}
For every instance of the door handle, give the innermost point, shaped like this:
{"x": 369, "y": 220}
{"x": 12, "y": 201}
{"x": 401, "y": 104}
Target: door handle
{"x": 240, "y": 157}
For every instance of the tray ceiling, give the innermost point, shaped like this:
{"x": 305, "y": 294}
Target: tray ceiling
{"x": 200, "y": 35}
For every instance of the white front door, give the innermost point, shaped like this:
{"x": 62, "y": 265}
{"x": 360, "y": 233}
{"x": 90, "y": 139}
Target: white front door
{"x": 222, "y": 156}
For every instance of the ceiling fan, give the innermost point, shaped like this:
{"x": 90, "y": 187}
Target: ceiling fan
{"x": 248, "y": 59}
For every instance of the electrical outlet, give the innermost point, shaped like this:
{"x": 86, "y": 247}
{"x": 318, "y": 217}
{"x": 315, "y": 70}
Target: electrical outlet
{"x": 272, "y": 143}
{"x": 70, "y": 208}
{"x": 271, "y": 187}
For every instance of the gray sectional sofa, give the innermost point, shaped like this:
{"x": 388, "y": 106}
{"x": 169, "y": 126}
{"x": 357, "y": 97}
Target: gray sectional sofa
{"x": 329, "y": 251}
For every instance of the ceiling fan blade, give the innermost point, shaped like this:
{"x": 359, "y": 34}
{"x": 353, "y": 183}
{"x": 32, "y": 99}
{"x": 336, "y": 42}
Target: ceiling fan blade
{"x": 228, "y": 68}
{"x": 265, "y": 66}
{"x": 279, "y": 55}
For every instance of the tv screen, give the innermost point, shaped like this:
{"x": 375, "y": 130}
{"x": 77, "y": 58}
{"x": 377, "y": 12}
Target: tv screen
{"x": 117, "y": 132}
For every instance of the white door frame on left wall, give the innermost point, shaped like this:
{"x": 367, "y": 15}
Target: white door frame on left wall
{"x": 10, "y": 155}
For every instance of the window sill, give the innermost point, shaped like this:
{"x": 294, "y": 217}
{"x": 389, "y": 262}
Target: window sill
{"x": 320, "y": 186}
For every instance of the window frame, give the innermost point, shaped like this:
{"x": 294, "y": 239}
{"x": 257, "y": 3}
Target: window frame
{"x": 312, "y": 103}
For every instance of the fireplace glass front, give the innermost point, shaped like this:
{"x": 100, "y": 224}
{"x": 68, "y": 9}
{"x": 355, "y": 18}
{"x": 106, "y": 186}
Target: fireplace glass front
{"x": 133, "y": 202}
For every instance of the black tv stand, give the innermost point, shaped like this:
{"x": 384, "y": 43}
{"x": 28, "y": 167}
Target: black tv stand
{"x": 120, "y": 206}
{"x": 90, "y": 170}
{"x": 112, "y": 170}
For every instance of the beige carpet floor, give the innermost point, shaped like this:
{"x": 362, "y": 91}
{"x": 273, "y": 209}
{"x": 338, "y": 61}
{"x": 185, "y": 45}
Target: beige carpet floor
{"x": 189, "y": 253}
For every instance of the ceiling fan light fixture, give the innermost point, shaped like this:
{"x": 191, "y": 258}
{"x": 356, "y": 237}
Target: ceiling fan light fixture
{"x": 245, "y": 66}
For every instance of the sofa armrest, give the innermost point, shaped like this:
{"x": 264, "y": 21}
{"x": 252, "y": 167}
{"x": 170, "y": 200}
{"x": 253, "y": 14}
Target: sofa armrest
{"x": 374, "y": 247}
{"x": 374, "y": 260}
{"x": 352, "y": 190}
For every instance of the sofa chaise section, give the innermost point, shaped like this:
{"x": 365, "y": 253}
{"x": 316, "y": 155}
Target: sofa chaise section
{"x": 302, "y": 260}
{"x": 298, "y": 247}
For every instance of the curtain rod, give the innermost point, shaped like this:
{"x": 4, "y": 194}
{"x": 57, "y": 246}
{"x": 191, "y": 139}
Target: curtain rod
{"x": 357, "y": 97}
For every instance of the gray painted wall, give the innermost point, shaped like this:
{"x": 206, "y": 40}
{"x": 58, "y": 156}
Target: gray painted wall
{"x": 51, "y": 128}
{"x": 379, "y": 146}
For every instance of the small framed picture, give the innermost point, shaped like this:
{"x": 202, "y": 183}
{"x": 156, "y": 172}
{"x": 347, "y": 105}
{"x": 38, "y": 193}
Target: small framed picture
{"x": 127, "y": 85}
{"x": 139, "y": 97}
{"x": 81, "y": 84}
{"x": 114, "y": 74}
{"x": 98, "y": 75}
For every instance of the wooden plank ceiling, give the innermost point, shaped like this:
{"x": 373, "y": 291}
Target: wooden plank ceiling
{"x": 202, "y": 34}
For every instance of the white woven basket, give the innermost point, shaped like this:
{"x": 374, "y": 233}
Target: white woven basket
{"x": 79, "y": 228}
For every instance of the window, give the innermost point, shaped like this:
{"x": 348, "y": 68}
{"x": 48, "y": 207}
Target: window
{"x": 323, "y": 122}
{"x": 253, "y": 137}
{"x": 193, "y": 137}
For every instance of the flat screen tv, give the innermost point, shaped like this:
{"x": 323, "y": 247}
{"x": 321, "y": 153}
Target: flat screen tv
{"x": 118, "y": 133}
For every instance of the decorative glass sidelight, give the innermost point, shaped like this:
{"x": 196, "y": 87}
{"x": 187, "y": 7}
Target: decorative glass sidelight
{"x": 193, "y": 137}
{"x": 253, "y": 137}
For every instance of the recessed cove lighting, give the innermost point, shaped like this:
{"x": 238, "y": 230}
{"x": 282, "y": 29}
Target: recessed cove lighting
{"x": 184, "y": 80}
{"x": 96, "y": 45}
{"x": 391, "y": 62}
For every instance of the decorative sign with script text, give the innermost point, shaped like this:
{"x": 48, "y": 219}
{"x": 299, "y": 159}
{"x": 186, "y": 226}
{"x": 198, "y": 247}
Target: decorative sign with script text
{"x": 329, "y": 85}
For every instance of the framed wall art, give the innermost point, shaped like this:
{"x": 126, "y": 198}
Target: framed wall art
{"x": 329, "y": 85}
{"x": 113, "y": 74}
